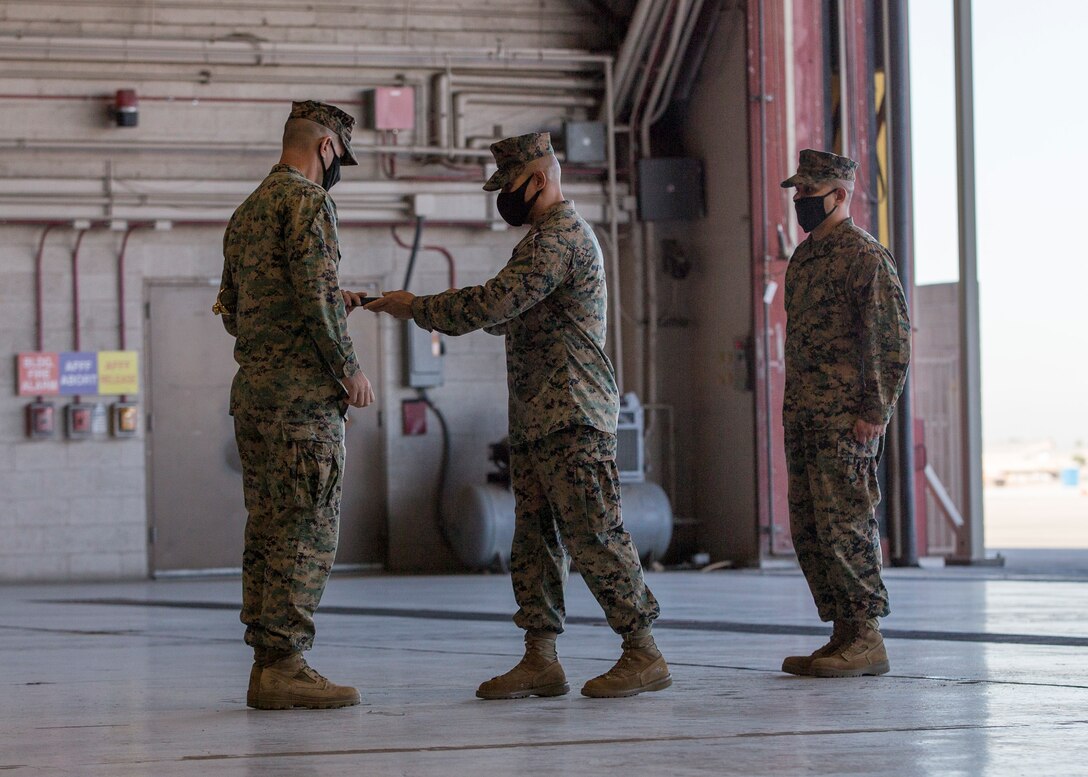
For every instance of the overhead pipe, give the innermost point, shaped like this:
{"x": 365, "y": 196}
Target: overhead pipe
{"x": 680, "y": 8}
{"x": 615, "y": 304}
{"x": 693, "y": 16}
{"x": 265, "y": 53}
{"x": 639, "y": 236}
{"x": 196, "y": 146}
{"x": 461, "y": 100}
{"x": 646, "y": 18}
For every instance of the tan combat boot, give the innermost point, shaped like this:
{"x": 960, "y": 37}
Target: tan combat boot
{"x": 864, "y": 654}
{"x": 539, "y": 672}
{"x": 802, "y": 665}
{"x": 254, "y": 685}
{"x": 291, "y": 682}
{"x": 640, "y": 668}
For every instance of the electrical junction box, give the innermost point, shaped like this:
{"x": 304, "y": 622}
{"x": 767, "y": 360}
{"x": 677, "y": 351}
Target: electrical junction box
{"x": 630, "y": 451}
{"x": 670, "y": 189}
{"x": 422, "y": 357}
{"x": 394, "y": 108}
{"x": 41, "y": 420}
{"x": 79, "y": 420}
{"x": 585, "y": 141}
{"x": 124, "y": 419}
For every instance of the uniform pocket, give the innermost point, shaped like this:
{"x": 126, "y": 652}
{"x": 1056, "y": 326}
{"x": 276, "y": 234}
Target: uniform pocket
{"x": 317, "y": 473}
{"x": 850, "y": 448}
{"x": 593, "y": 473}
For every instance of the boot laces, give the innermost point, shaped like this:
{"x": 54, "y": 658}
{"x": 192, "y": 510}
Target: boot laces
{"x": 623, "y": 667}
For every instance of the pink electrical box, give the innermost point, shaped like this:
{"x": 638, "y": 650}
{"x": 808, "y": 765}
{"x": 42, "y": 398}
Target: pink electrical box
{"x": 394, "y": 108}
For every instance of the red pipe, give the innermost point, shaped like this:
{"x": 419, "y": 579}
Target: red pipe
{"x": 39, "y": 295}
{"x": 439, "y": 249}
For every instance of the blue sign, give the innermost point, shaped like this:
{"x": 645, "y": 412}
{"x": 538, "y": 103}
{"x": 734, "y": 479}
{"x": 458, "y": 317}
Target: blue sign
{"x": 79, "y": 373}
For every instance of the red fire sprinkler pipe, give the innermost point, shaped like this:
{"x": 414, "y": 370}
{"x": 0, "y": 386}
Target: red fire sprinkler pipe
{"x": 39, "y": 294}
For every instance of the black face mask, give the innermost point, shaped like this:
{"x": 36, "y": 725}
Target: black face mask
{"x": 513, "y": 207}
{"x": 810, "y": 211}
{"x": 331, "y": 174}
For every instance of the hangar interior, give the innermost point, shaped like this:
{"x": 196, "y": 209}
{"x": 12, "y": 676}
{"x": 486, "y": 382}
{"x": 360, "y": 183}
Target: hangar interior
{"x": 129, "y": 132}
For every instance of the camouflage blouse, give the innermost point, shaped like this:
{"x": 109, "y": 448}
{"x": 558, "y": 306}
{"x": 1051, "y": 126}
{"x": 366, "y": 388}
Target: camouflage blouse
{"x": 550, "y": 301}
{"x": 280, "y": 298}
{"x": 848, "y": 336}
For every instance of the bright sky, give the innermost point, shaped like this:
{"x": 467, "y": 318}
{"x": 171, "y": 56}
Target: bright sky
{"x": 1031, "y": 135}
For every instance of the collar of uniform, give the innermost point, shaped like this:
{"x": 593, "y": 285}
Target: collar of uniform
{"x": 558, "y": 210}
{"x": 820, "y": 247}
{"x": 282, "y": 168}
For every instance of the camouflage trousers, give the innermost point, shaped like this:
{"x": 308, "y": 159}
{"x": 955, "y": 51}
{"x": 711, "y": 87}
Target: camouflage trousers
{"x": 291, "y": 476}
{"x": 833, "y": 492}
{"x": 566, "y": 489}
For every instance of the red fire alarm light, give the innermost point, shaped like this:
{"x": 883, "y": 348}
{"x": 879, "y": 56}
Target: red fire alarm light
{"x": 126, "y": 108}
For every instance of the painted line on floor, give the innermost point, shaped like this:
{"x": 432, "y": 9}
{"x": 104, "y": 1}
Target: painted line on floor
{"x": 595, "y": 742}
{"x": 1052, "y": 640}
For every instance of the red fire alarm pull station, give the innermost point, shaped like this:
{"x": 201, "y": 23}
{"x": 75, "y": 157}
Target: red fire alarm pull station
{"x": 80, "y": 418}
{"x": 40, "y": 420}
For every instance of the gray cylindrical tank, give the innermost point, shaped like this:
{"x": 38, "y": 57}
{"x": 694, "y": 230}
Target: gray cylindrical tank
{"x": 480, "y": 524}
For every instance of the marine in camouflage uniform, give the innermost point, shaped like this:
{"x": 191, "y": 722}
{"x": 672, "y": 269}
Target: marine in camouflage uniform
{"x": 847, "y": 352}
{"x": 280, "y": 299}
{"x": 550, "y": 303}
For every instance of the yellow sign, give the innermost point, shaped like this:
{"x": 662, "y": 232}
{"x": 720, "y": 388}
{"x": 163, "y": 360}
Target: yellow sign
{"x": 118, "y": 372}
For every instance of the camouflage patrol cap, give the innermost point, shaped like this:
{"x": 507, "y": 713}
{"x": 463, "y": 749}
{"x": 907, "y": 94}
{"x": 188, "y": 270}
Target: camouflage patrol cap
{"x": 332, "y": 117}
{"x": 512, "y": 154}
{"x": 815, "y": 166}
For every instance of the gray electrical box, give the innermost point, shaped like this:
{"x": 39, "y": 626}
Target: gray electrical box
{"x": 585, "y": 141}
{"x": 422, "y": 357}
{"x": 630, "y": 450}
{"x": 670, "y": 189}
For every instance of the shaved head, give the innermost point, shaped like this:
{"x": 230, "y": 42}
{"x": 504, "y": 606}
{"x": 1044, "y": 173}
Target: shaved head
{"x": 547, "y": 163}
{"x": 304, "y": 135}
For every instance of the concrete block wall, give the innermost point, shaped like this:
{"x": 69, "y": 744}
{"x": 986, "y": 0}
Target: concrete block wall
{"x": 78, "y": 510}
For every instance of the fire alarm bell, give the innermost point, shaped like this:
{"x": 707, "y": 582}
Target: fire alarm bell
{"x": 126, "y": 108}
{"x": 40, "y": 420}
{"x": 80, "y": 419}
{"x": 124, "y": 417}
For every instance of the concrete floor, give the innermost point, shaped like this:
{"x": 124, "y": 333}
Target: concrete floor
{"x": 988, "y": 677}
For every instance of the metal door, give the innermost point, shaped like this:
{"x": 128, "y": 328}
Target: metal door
{"x": 196, "y": 509}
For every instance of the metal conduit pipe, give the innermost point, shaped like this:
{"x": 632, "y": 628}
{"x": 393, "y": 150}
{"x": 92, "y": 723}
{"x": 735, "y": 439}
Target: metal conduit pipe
{"x": 690, "y": 23}
{"x": 529, "y": 83}
{"x": 264, "y": 53}
{"x": 645, "y": 20}
{"x": 650, "y": 249}
{"x": 902, "y": 218}
{"x": 462, "y": 100}
{"x": 197, "y": 146}
{"x": 613, "y": 228}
